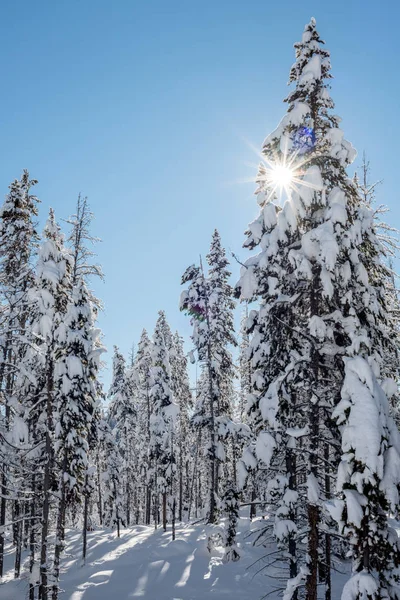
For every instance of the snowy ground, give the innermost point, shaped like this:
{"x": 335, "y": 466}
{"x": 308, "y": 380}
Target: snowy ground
{"x": 146, "y": 564}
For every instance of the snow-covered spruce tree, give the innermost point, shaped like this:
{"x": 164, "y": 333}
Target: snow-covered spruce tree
{"x": 116, "y": 393}
{"x": 368, "y": 478}
{"x": 123, "y": 414}
{"x": 110, "y": 471}
{"x": 183, "y": 398}
{"x": 50, "y": 297}
{"x": 201, "y": 480}
{"x": 317, "y": 276}
{"x": 76, "y": 366}
{"x": 141, "y": 377}
{"x": 230, "y": 507}
{"x": 162, "y": 419}
{"x": 245, "y": 373}
{"x": 195, "y": 302}
{"x": 244, "y": 366}
{"x": 18, "y": 239}
{"x": 389, "y": 238}
{"x": 221, "y": 306}
{"x": 209, "y": 302}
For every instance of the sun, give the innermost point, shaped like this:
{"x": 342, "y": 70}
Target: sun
{"x": 281, "y": 176}
{"x": 283, "y": 173}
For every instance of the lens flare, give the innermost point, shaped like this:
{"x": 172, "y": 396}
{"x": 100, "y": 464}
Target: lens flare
{"x": 281, "y": 175}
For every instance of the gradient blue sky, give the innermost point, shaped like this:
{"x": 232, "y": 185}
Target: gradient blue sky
{"x": 148, "y": 108}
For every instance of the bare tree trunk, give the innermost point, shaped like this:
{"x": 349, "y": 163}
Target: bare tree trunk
{"x": 148, "y": 504}
{"x": 187, "y": 488}
{"x": 234, "y": 461}
{"x": 180, "y": 507}
{"x": 32, "y": 538}
{"x": 164, "y": 510}
{"x": 173, "y": 517}
{"x": 253, "y": 508}
{"x": 117, "y": 516}
{"x": 99, "y": 496}
{"x": 128, "y": 503}
{"x": 155, "y": 502}
{"x": 85, "y": 519}
{"x": 199, "y": 495}
{"x": 18, "y": 541}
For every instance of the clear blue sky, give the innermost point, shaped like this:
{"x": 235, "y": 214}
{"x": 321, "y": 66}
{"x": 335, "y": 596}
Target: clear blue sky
{"x": 146, "y": 107}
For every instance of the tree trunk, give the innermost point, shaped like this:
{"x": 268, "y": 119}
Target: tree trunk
{"x": 18, "y": 541}
{"x": 32, "y": 539}
{"x": 173, "y": 517}
{"x": 312, "y": 579}
{"x": 99, "y": 496}
{"x": 2, "y": 517}
{"x": 117, "y": 516}
{"x": 3, "y": 500}
{"x": 128, "y": 503}
{"x": 60, "y": 531}
{"x": 155, "y": 501}
{"x": 48, "y": 471}
{"x": 213, "y": 479}
{"x": 327, "y": 566}
{"x": 45, "y": 522}
{"x": 164, "y": 510}
{"x": 253, "y": 508}
{"x": 291, "y": 466}
{"x": 312, "y": 509}
{"x": 85, "y": 519}
{"x": 180, "y": 507}
{"x": 187, "y": 489}
{"x": 148, "y": 504}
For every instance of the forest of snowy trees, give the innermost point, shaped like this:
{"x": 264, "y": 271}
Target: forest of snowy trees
{"x": 292, "y": 419}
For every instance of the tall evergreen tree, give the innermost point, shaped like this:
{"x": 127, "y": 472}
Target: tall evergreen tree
{"x": 123, "y": 413}
{"x": 142, "y": 381}
{"x": 18, "y": 239}
{"x": 76, "y": 366}
{"x": 209, "y": 302}
{"x": 51, "y": 296}
{"x": 318, "y": 279}
{"x": 183, "y": 398}
{"x": 162, "y": 419}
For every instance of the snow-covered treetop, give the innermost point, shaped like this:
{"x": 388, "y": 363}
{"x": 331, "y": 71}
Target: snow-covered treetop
{"x": 54, "y": 260}
{"x": 53, "y": 275}
{"x": 217, "y": 260}
{"x": 312, "y": 63}
{"x": 118, "y": 378}
{"x": 122, "y": 405}
{"x": 309, "y": 123}
{"x": 162, "y": 343}
{"x": 143, "y": 346}
{"x": 17, "y": 229}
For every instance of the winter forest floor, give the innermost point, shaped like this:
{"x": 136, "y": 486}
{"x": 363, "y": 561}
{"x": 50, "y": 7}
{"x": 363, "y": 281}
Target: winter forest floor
{"x": 144, "y": 563}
